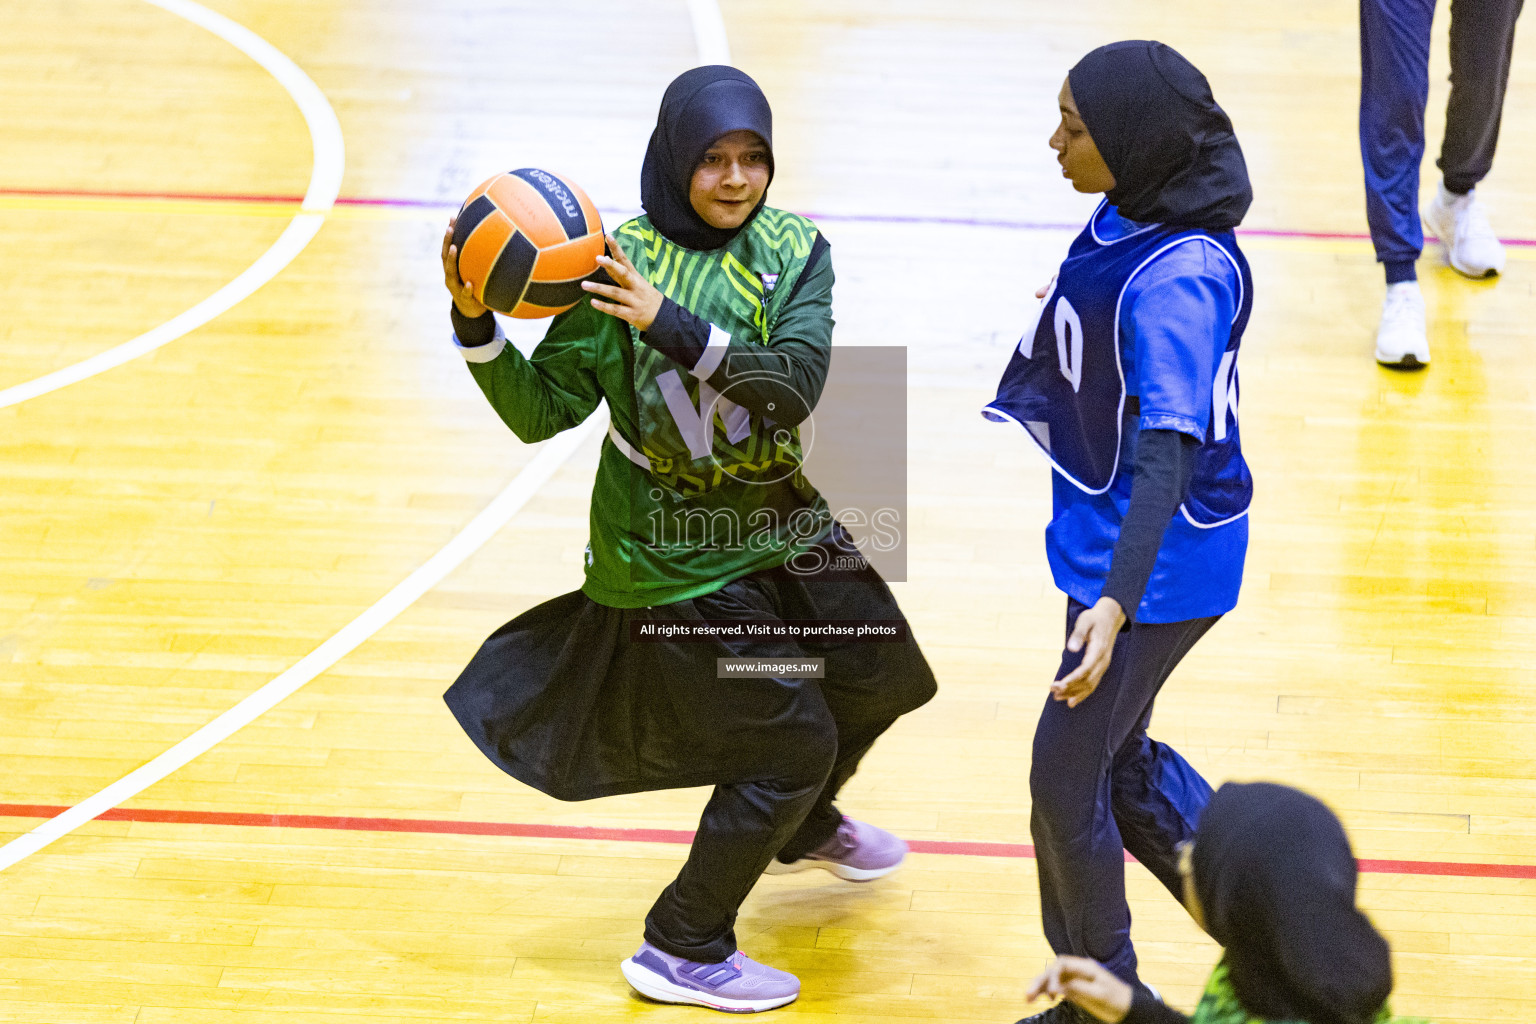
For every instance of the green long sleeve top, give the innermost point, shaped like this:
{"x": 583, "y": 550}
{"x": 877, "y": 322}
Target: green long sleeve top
{"x": 699, "y": 481}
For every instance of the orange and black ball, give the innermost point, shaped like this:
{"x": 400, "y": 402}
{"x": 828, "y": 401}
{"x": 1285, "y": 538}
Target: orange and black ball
{"x": 526, "y": 240}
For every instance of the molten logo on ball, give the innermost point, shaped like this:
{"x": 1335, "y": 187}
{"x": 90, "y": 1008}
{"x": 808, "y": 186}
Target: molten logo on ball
{"x": 554, "y": 186}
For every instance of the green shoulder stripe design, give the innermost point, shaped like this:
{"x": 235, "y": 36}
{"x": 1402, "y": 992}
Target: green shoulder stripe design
{"x": 671, "y": 268}
{"x": 750, "y": 287}
{"x": 784, "y": 228}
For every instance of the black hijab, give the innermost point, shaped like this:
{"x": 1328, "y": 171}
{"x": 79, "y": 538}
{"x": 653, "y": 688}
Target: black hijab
{"x": 697, "y": 109}
{"x": 1276, "y": 879}
{"x": 1169, "y": 146}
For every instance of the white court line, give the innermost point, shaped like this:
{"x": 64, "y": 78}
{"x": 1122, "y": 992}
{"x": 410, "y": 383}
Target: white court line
{"x": 712, "y": 49}
{"x": 709, "y": 32}
{"x": 324, "y": 186}
{"x": 480, "y": 529}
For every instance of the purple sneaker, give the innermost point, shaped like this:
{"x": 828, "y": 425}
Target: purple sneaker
{"x": 737, "y": 985}
{"x": 857, "y": 852}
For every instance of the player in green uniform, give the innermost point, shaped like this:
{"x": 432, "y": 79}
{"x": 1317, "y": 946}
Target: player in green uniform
{"x": 1271, "y": 877}
{"x": 709, "y": 338}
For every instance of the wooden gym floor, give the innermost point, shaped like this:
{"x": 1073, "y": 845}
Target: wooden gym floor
{"x": 179, "y": 531}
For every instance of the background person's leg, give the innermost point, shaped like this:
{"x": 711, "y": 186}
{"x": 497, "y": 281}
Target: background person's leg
{"x": 1482, "y": 44}
{"x": 1394, "y": 87}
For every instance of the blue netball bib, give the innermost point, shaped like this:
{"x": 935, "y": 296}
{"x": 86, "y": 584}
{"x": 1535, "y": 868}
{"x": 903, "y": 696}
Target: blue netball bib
{"x": 1065, "y": 382}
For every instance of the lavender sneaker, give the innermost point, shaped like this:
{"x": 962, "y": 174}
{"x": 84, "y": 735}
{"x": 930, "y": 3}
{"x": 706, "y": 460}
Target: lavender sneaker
{"x": 737, "y": 985}
{"x": 857, "y": 852}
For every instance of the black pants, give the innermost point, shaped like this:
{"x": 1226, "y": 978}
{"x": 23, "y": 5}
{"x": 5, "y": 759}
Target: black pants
{"x": 1482, "y": 45}
{"x": 792, "y": 811}
{"x": 567, "y": 699}
{"x": 1394, "y": 88}
{"x": 1099, "y": 786}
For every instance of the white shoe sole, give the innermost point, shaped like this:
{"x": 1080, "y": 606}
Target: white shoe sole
{"x": 653, "y": 986}
{"x": 1474, "y": 274}
{"x": 843, "y": 871}
{"x": 1444, "y": 234}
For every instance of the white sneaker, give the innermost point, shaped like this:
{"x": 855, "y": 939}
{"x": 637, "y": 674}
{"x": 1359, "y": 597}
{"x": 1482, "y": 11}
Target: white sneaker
{"x": 1462, "y": 224}
{"x": 1402, "y": 339}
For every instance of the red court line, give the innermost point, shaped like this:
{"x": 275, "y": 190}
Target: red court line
{"x": 205, "y": 197}
{"x": 653, "y": 835}
{"x": 864, "y": 218}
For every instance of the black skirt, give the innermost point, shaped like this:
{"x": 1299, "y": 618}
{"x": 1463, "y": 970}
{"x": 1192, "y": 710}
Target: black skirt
{"x": 565, "y": 699}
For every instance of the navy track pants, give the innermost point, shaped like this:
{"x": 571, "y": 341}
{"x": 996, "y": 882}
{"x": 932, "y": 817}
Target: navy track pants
{"x": 1100, "y": 786}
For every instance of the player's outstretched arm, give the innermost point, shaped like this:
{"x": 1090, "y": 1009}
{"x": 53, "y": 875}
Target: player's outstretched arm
{"x": 539, "y": 397}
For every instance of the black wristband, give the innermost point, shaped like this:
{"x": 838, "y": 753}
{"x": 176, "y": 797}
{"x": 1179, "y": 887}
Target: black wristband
{"x": 473, "y": 331}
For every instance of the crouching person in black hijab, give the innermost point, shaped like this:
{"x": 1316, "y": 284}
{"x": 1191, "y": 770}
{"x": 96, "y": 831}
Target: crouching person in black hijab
{"x": 710, "y": 341}
{"x": 1271, "y": 877}
{"x": 1128, "y": 383}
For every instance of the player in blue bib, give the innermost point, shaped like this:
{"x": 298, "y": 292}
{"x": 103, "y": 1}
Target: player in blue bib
{"x": 1128, "y": 383}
